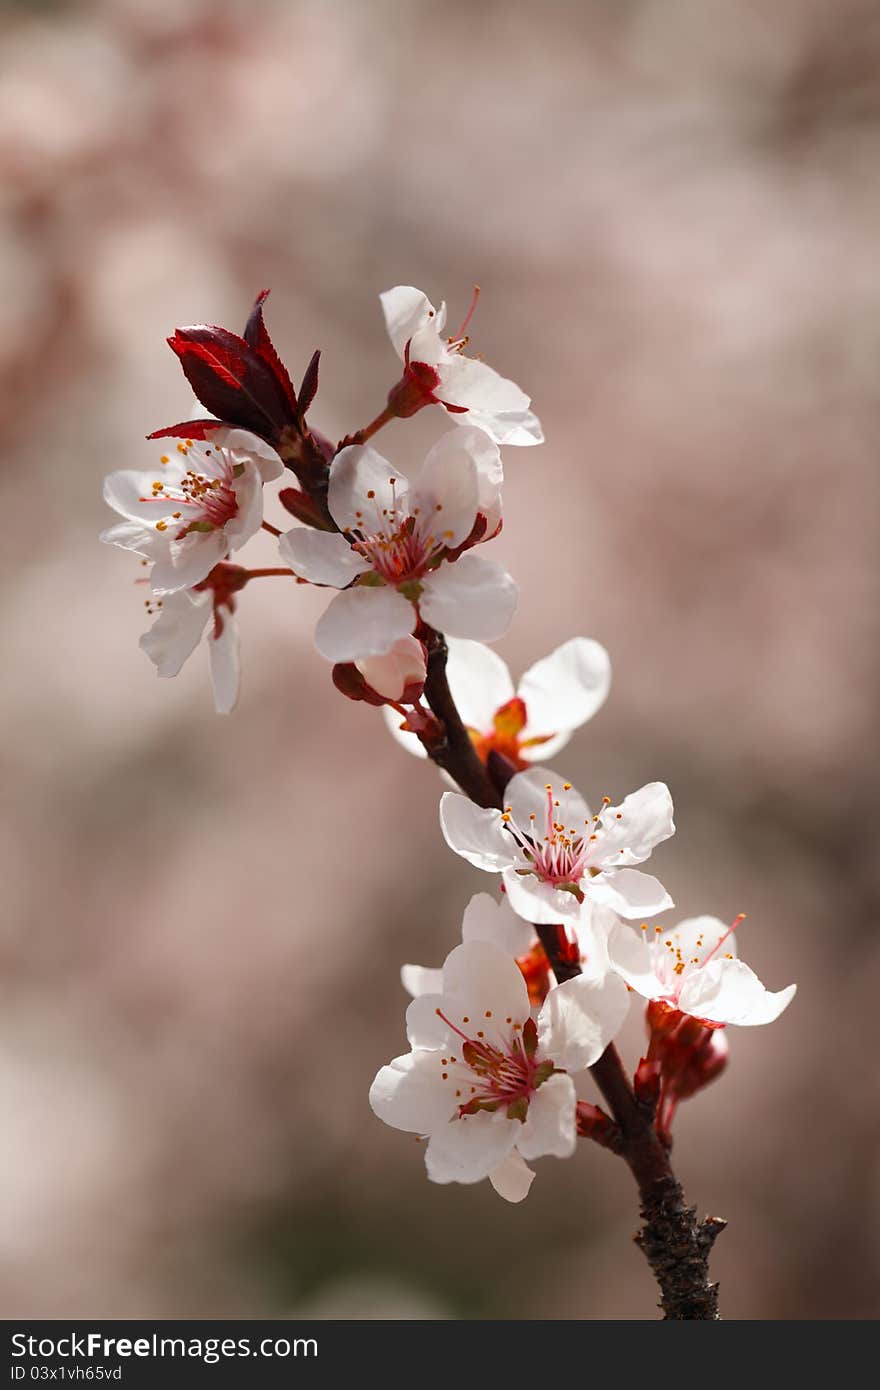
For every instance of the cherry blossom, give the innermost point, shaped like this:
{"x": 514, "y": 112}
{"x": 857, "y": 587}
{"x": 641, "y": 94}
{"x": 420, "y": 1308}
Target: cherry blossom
{"x": 556, "y": 859}
{"x": 534, "y": 720}
{"x": 436, "y": 372}
{"x": 204, "y": 500}
{"x": 397, "y": 555}
{"x": 484, "y": 1082}
{"x": 693, "y": 968}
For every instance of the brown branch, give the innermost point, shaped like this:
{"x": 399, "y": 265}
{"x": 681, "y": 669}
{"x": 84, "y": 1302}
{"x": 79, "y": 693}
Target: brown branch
{"x": 454, "y": 752}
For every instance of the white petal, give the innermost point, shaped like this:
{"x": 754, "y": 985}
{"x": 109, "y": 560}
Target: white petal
{"x": 580, "y": 1018}
{"x": 486, "y": 986}
{"x": 225, "y": 663}
{"x": 631, "y": 830}
{"x": 565, "y": 689}
{"x": 187, "y": 562}
{"x": 363, "y": 622}
{"x": 409, "y": 1094}
{"x": 250, "y": 448}
{"x": 405, "y": 309}
{"x": 425, "y": 1028}
{"x": 476, "y": 833}
{"x": 512, "y": 1178}
{"x": 131, "y": 535}
{"x": 496, "y": 922}
{"x": 394, "y": 721}
{"x": 177, "y": 631}
{"x": 470, "y": 1148}
{"x": 248, "y": 489}
{"x": 479, "y": 681}
{"x": 629, "y": 892}
{"x": 550, "y": 1126}
{"x": 536, "y": 901}
{"x": 473, "y": 597}
{"x": 493, "y": 403}
{"x": 708, "y": 931}
{"x": 728, "y": 991}
{"x": 462, "y": 471}
{"x": 357, "y": 471}
{"x": 632, "y": 957}
{"x": 129, "y": 491}
{"x": 421, "y": 979}
{"x": 527, "y": 795}
{"x": 391, "y": 674}
{"x": 322, "y": 557}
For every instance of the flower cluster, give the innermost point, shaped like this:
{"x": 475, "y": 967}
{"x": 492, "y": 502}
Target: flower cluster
{"x": 543, "y": 978}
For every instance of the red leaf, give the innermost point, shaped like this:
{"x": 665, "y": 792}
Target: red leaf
{"x": 187, "y": 429}
{"x": 231, "y": 380}
{"x": 309, "y": 384}
{"x": 256, "y": 335}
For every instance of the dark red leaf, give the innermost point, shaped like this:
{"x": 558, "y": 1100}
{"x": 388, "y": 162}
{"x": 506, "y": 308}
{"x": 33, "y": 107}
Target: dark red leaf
{"x": 256, "y": 335}
{"x": 309, "y": 384}
{"x": 187, "y": 429}
{"x": 231, "y": 380}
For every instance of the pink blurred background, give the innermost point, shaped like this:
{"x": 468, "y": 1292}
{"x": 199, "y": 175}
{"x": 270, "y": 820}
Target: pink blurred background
{"x": 673, "y": 210}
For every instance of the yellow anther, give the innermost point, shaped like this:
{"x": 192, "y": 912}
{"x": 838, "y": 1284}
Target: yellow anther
{"x": 166, "y": 458}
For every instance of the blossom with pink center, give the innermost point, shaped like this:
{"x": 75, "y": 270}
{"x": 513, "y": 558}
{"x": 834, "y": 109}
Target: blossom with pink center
{"x": 485, "y": 1083}
{"x": 437, "y": 372}
{"x": 533, "y": 720}
{"x": 204, "y": 500}
{"x": 397, "y": 555}
{"x": 556, "y": 859}
{"x": 694, "y": 969}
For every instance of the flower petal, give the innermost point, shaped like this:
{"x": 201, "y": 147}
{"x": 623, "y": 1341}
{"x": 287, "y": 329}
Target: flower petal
{"x": 448, "y": 482}
{"x": 248, "y": 489}
{"x": 177, "y": 631}
{"x": 728, "y": 991}
{"x": 629, "y": 892}
{"x": 480, "y": 682}
{"x": 536, "y": 901}
{"x": 406, "y": 309}
{"x": 580, "y": 1018}
{"x": 566, "y": 688}
{"x": 630, "y": 831}
{"x": 631, "y": 956}
{"x": 512, "y": 1178}
{"x": 476, "y": 833}
{"x": 550, "y": 1126}
{"x": 363, "y": 486}
{"x": 425, "y": 1028}
{"x": 493, "y": 403}
{"x": 421, "y": 979}
{"x": 401, "y": 667}
{"x": 129, "y": 491}
{"x": 250, "y": 448}
{"x": 132, "y": 535}
{"x": 321, "y": 557}
{"x": 470, "y": 1148}
{"x": 496, "y": 922}
{"x": 482, "y": 982}
{"x": 363, "y": 622}
{"x": 186, "y": 563}
{"x": 409, "y": 1094}
{"x": 473, "y": 597}
{"x": 527, "y": 796}
{"x": 225, "y": 663}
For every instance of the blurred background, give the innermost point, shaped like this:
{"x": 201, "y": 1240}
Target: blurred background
{"x": 672, "y": 207}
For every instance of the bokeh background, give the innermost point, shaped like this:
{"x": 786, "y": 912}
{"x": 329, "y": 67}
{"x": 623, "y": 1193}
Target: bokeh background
{"x": 672, "y": 207}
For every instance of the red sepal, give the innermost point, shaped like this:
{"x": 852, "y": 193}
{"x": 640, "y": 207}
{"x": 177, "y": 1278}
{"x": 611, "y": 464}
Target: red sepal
{"x": 256, "y": 335}
{"x": 188, "y": 429}
{"x": 349, "y": 681}
{"x": 309, "y": 384}
{"x": 304, "y": 508}
{"x": 232, "y": 380}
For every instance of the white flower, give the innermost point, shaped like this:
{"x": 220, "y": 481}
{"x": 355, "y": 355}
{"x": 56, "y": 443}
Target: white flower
{"x": 535, "y": 720}
{"x": 686, "y": 968}
{"x": 203, "y": 501}
{"x": 395, "y": 539}
{"x": 437, "y": 371}
{"x": 496, "y": 922}
{"x": 487, "y": 1085}
{"x": 556, "y": 859}
{"x": 177, "y": 631}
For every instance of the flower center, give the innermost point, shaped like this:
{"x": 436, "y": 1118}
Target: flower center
{"x": 400, "y": 545}
{"x": 493, "y": 1077}
{"x": 204, "y": 498}
{"x": 673, "y": 967}
{"x": 559, "y": 856}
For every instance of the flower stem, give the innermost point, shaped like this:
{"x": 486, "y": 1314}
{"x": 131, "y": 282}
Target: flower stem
{"x": 455, "y": 753}
{"x": 260, "y": 574}
{"x": 273, "y": 530}
{"x": 361, "y": 436}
